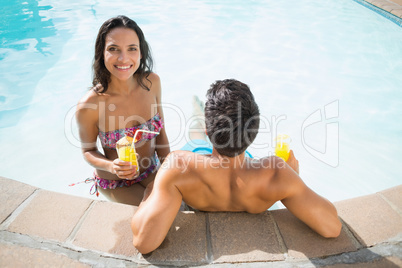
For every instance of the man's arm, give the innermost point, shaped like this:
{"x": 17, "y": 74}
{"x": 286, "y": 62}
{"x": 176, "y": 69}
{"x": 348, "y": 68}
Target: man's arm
{"x": 314, "y": 210}
{"x": 156, "y": 213}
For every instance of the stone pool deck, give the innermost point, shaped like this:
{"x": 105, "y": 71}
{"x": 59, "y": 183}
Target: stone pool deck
{"x": 392, "y": 6}
{"x": 40, "y": 228}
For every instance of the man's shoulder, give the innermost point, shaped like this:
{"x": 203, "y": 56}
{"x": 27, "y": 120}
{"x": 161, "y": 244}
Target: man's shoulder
{"x": 269, "y": 163}
{"x": 185, "y": 156}
{"x": 176, "y": 167}
{"x": 266, "y": 170}
{"x": 180, "y": 161}
{"x": 182, "y": 153}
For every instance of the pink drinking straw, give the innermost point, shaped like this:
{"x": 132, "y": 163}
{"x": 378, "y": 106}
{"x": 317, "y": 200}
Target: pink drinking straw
{"x": 144, "y": 131}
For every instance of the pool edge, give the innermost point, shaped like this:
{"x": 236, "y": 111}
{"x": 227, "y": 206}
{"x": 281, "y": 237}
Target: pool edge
{"x": 44, "y": 227}
{"x": 389, "y": 9}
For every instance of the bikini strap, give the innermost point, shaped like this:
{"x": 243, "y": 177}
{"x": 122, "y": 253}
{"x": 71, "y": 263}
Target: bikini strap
{"x": 94, "y": 187}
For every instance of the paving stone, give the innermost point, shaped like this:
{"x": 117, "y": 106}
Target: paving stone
{"x": 370, "y": 218}
{"x": 388, "y": 262}
{"x": 397, "y": 12}
{"x": 185, "y": 243}
{"x": 387, "y": 6}
{"x": 50, "y": 215}
{"x": 392, "y": 261}
{"x": 391, "y": 7}
{"x": 394, "y": 196}
{"x": 379, "y": 3}
{"x": 396, "y": 7}
{"x": 302, "y": 242}
{"x": 107, "y": 228}
{"x": 399, "y": 2}
{"x": 13, "y": 193}
{"x": 18, "y": 256}
{"x": 244, "y": 237}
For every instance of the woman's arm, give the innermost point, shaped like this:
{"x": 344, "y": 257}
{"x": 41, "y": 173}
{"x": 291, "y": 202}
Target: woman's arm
{"x": 87, "y": 116}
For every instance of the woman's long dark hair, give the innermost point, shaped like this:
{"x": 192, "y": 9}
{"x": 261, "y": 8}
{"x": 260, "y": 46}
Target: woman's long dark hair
{"x": 100, "y": 74}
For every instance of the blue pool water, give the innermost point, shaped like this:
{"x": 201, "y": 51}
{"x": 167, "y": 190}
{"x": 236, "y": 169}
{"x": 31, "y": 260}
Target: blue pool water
{"x": 328, "y": 73}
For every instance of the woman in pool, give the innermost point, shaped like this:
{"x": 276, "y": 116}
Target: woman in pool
{"x": 125, "y": 97}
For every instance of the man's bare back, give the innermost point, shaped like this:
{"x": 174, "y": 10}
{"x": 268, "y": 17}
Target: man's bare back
{"x": 226, "y": 180}
{"x": 210, "y": 183}
{"x": 216, "y": 183}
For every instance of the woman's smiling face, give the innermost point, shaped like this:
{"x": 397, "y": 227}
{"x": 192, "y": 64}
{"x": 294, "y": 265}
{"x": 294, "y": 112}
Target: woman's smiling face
{"x": 122, "y": 53}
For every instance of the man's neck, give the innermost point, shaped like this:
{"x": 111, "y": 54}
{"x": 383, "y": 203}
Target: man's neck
{"x": 233, "y": 162}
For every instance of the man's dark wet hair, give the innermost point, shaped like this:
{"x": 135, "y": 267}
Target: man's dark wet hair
{"x": 232, "y": 117}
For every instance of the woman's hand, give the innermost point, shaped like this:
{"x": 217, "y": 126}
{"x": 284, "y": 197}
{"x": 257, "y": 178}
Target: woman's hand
{"x": 293, "y": 162}
{"x": 124, "y": 169}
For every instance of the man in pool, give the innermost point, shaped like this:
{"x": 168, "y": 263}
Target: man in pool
{"x": 227, "y": 180}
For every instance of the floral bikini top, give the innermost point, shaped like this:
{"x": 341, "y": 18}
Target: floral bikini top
{"x": 109, "y": 139}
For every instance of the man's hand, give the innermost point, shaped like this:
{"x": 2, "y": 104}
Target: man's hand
{"x": 293, "y": 162}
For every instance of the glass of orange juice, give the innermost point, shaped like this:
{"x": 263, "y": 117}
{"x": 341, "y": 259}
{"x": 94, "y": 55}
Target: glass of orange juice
{"x": 126, "y": 147}
{"x": 126, "y": 151}
{"x": 282, "y": 146}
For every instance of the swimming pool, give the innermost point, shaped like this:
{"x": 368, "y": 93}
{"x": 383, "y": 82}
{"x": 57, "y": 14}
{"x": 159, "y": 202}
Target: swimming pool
{"x": 328, "y": 73}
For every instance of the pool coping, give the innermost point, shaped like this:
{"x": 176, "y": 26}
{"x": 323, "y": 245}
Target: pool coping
{"x": 40, "y": 227}
{"x": 390, "y": 9}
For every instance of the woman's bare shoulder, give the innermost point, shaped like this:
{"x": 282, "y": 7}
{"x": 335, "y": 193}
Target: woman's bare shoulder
{"x": 89, "y": 104}
{"x": 153, "y": 82}
{"x": 91, "y": 97}
{"x": 154, "y": 77}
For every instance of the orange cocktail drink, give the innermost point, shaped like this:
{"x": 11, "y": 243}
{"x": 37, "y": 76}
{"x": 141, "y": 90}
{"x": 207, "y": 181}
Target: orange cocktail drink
{"x": 126, "y": 147}
{"x": 126, "y": 151}
{"x": 282, "y": 148}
